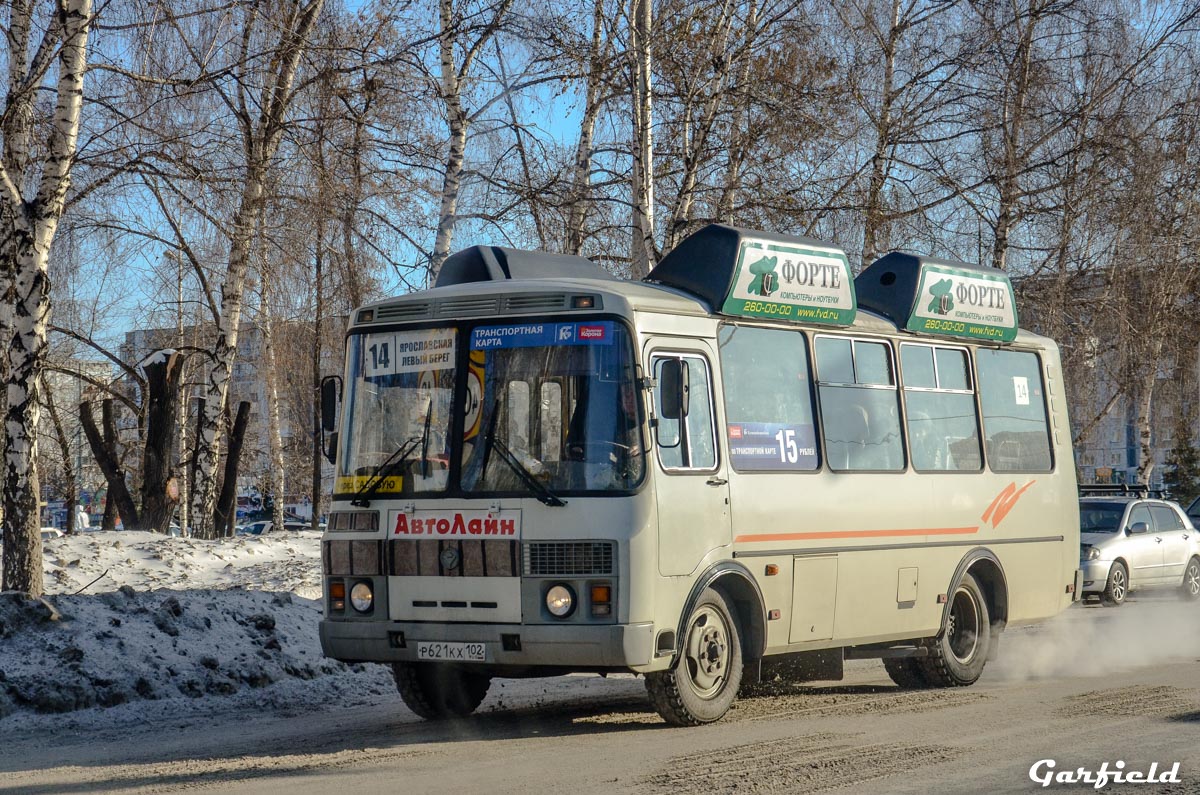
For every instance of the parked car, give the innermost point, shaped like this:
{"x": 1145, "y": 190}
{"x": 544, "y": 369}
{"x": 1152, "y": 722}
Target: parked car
{"x": 264, "y": 526}
{"x": 1133, "y": 541}
{"x": 1193, "y": 511}
{"x": 51, "y": 532}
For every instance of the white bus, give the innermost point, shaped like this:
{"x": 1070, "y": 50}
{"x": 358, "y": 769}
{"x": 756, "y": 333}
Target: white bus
{"x": 749, "y": 459}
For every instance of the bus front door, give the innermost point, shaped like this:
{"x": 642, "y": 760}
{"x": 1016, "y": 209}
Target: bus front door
{"x": 690, "y": 478}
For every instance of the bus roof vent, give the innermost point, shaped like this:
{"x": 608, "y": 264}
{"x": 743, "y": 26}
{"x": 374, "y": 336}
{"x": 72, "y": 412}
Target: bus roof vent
{"x": 408, "y": 310}
{"x": 749, "y": 273}
{"x": 494, "y": 263}
{"x": 942, "y": 297}
{"x": 468, "y": 306}
{"x": 536, "y": 302}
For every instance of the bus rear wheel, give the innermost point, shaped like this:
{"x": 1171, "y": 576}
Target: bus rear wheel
{"x": 704, "y": 681}
{"x": 435, "y": 691}
{"x": 956, "y": 659}
{"x": 906, "y": 672}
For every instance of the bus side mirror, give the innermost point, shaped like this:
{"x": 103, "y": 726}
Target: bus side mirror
{"x": 673, "y": 389}
{"x": 331, "y": 390}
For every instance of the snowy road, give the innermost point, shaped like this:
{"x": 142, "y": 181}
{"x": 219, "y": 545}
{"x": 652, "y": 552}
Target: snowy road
{"x": 1093, "y": 686}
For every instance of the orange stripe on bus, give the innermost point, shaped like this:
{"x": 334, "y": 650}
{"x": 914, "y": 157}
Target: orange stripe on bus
{"x": 930, "y": 531}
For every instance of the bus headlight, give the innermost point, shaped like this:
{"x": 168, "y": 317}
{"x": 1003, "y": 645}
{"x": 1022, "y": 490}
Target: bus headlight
{"x": 361, "y": 597}
{"x": 1089, "y": 553}
{"x": 560, "y": 601}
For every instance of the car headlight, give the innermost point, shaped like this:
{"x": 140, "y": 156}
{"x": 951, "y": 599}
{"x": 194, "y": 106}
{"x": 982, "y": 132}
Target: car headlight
{"x": 361, "y": 597}
{"x": 560, "y": 601}
{"x": 1089, "y": 553}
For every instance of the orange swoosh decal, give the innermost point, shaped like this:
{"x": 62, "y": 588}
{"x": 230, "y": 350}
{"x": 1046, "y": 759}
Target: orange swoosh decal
{"x": 1005, "y": 501}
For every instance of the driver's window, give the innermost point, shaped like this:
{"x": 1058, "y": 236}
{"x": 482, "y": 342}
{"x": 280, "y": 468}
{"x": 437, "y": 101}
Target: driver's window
{"x": 695, "y": 431}
{"x": 1140, "y": 513}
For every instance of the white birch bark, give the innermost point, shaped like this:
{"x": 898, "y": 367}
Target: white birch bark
{"x": 450, "y": 84}
{"x": 274, "y": 435}
{"x": 581, "y": 177}
{"x": 29, "y": 228}
{"x": 261, "y": 137}
{"x": 642, "y": 256}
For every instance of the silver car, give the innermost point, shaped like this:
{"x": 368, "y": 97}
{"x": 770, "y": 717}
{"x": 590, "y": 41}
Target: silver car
{"x": 1129, "y": 543}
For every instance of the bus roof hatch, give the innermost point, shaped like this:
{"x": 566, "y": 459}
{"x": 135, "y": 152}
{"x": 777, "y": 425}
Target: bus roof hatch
{"x": 494, "y": 263}
{"x": 749, "y": 273}
{"x": 941, "y": 297}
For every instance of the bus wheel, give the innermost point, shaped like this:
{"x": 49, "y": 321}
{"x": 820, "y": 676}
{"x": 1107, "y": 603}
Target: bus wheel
{"x": 957, "y": 658}
{"x": 905, "y": 672}
{"x": 1191, "y": 580}
{"x": 1117, "y": 587}
{"x": 436, "y": 691}
{"x": 704, "y": 682}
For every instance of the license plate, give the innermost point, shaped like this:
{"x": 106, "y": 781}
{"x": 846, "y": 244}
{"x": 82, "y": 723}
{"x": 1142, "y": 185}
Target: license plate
{"x": 451, "y": 652}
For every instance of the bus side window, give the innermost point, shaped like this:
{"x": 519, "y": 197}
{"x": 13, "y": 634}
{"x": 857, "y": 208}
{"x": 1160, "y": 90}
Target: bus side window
{"x": 860, "y": 418}
{"x": 943, "y": 425}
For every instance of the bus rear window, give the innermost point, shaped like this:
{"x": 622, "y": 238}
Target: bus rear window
{"x": 1014, "y": 411}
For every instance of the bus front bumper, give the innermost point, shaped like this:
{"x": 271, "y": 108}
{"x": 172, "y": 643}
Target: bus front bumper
{"x": 565, "y": 646}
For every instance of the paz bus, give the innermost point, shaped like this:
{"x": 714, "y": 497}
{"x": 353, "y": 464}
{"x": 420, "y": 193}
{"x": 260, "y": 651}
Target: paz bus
{"x": 748, "y": 461}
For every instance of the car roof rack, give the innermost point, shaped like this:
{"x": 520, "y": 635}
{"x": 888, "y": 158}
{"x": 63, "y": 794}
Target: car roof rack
{"x": 1139, "y": 490}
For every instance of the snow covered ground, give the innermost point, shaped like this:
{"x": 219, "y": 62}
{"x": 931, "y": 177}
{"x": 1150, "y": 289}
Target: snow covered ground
{"x": 138, "y": 626}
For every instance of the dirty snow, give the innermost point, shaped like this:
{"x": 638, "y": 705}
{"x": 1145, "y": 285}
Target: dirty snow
{"x": 166, "y": 627}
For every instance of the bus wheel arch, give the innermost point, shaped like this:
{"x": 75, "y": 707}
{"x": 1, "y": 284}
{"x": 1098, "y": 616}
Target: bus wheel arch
{"x": 982, "y": 564}
{"x": 745, "y": 598}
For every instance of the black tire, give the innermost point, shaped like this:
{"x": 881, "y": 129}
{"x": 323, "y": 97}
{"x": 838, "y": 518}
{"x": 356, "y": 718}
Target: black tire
{"x": 1117, "y": 587}
{"x": 704, "y": 681}
{"x": 906, "y": 672}
{"x": 436, "y": 691}
{"x": 957, "y": 657}
{"x": 1190, "y": 588}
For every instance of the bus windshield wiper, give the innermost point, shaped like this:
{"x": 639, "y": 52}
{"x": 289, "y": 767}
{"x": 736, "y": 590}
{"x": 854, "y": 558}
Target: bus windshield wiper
{"x": 397, "y": 460}
{"x": 490, "y": 442}
{"x": 362, "y": 498}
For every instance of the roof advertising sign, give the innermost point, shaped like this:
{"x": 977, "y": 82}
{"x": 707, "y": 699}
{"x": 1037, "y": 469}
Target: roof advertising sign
{"x": 802, "y": 284}
{"x": 964, "y": 303}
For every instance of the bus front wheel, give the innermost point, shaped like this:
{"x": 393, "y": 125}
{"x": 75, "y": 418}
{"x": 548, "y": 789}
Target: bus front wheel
{"x": 704, "y": 681}
{"x": 435, "y": 691}
{"x": 957, "y": 657}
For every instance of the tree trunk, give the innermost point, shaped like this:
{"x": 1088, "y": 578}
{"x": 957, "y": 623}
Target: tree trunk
{"x": 105, "y": 451}
{"x": 162, "y": 391}
{"x": 226, "y": 509}
{"x": 456, "y": 118}
{"x": 873, "y": 213}
{"x": 317, "y": 347}
{"x": 275, "y": 437}
{"x": 642, "y": 255}
{"x": 70, "y": 495}
{"x": 582, "y": 175}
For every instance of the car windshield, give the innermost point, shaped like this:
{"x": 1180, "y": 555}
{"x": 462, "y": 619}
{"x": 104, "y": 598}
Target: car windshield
{"x": 1193, "y": 510}
{"x": 562, "y": 398}
{"x": 400, "y": 385}
{"x": 1100, "y": 517}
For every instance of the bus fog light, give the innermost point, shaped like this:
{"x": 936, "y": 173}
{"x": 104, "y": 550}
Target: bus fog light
{"x": 560, "y": 601}
{"x": 361, "y": 597}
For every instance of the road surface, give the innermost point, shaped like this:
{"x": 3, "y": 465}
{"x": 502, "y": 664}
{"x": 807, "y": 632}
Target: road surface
{"x": 1093, "y": 686}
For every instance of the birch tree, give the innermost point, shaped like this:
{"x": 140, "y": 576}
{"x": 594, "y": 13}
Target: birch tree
{"x": 34, "y": 180}
{"x": 259, "y": 101}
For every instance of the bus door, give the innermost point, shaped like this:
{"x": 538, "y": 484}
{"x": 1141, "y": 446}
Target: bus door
{"x": 690, "y": 481}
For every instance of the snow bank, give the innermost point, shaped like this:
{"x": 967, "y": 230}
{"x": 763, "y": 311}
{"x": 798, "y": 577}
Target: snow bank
{"x": 171, "y": 625}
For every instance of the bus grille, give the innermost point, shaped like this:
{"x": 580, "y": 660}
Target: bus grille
{"x": 568, "y": 558}
{"x": 459, "y": 558}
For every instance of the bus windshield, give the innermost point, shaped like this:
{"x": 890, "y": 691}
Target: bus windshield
{"x": 562, "y": 398}
{"x": 400, "y": 388}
